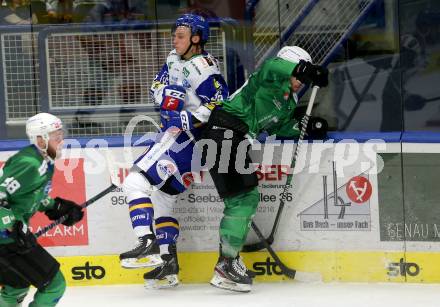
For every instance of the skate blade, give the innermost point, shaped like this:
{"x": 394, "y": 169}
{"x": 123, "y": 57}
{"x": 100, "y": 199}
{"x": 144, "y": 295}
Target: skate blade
{"x": 169, "y": 281}
{"x": 151, "y": 261}
{"x": 226, "y": 284}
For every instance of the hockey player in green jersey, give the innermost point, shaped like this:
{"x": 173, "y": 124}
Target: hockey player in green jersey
{"x": 25, "y": 181}
{"x": 266, "y": 102}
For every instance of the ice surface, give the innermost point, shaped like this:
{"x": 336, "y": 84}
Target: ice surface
{"x": 263, "y": 294}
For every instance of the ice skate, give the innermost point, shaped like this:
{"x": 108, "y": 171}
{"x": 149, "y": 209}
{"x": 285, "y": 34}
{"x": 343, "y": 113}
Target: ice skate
{"x": 164, "y": 276}
{"x": 145, "y": 254}
{"x": 250, "y": 273}
{"x": 231, "y": 274}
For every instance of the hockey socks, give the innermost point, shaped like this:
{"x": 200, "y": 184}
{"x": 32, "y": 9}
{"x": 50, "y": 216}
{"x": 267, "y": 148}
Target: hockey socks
{"x": 167, "y": 230}
{"x": 234, "y": 225}
{"x": 146, "y": 251}
{"x": 141, "y": 215}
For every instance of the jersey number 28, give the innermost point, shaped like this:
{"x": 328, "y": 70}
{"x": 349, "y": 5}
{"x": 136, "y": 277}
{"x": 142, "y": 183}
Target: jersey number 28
{"x": 11, "y": 185}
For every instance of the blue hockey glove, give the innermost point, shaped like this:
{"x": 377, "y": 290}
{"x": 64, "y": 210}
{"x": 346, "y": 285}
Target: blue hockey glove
{"x": 171, "y": 114}
{"x": 182, "y": 120}
{"x": 173, "y": 98}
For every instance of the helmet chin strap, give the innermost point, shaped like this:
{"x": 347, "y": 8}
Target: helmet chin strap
{"x": 48, "y": 156}
{"x": 44, "y": 151}
{"x": 191, "y": 44}
{"x": 188, "y": 49}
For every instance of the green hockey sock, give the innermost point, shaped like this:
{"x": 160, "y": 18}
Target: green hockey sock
{"x": 11, "y": 297}
{"x": 51, "y": 294}
{"x": 235, "y": 223}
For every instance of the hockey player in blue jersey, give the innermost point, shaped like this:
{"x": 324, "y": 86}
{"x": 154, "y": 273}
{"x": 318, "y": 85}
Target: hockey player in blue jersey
{"x": 187, "y": 89}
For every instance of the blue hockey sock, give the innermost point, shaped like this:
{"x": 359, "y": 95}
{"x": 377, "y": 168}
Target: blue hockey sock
{"x": 167, "y": 232}
{"x": 141, "y": 215}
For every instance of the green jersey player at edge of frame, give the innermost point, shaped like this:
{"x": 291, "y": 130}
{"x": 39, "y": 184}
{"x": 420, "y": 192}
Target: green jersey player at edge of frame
{"x": 25, "y": 181}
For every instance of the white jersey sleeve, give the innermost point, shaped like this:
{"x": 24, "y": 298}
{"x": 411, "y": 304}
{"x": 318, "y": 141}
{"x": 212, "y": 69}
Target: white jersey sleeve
{"x": 163, "y": 78}
{"x": 205, "y": 85}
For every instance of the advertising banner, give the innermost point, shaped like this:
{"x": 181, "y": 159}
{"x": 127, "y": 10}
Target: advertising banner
{"x": 347, "y": 204}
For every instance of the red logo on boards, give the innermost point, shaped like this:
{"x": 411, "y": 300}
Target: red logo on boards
{"x": 359, "y": 189}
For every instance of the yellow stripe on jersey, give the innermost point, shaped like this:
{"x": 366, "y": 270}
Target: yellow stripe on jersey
{"x": 211, "y": 105}
{"x": 165, "y": 224}
{"x": 156, "y": 85}
{"x": 139, "y": 206}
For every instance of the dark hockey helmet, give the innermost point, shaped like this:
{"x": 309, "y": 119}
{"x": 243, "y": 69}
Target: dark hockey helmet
{"x": 197, "y": 24}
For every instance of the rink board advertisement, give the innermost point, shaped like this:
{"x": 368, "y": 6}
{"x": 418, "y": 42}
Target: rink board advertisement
{"x": 65, "y": 185}
{"x": 344, "y": 219}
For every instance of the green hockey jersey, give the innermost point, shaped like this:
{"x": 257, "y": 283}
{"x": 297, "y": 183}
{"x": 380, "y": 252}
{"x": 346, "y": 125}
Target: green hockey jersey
{"x": 265, "y": 102}
{"x": 25, "y": 182}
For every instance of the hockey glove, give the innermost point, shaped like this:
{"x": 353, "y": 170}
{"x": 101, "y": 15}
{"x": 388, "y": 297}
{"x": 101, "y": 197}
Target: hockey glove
{"x": 182, "y": 120}
{"x": 171, "y": 114}
{"x": 23, "y": 237}
{"x": 320, "y": 77}
{"x": 304, "y": 72}
{"x": 65, "y": 207}
{"x": 173, "y": 98}
{"x": 317, "y": 128}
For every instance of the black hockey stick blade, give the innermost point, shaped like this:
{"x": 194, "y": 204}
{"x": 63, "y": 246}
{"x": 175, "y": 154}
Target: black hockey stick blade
{"x": 286, "y": 270}
{"x": 84, "y": 205}
{"x": 289, "y": 272}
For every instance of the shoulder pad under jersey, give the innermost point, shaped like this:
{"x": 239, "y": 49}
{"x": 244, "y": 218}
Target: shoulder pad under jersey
{"x": 199, "y": 68}
{"x": 172, "y": 57}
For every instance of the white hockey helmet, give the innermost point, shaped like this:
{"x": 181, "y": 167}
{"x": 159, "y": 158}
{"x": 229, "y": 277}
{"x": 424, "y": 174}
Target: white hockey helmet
{"x": 41, "y": 125}
{"x": 294, "y": 54}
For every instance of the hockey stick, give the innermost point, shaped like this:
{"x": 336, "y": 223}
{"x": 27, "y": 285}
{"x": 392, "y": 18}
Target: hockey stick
{"x": 168, "y": 139}
{"x": 110, "y": 165}
{"x": 158, "y": 149}
{"x": 84, "y": 205}
{"x": 304, "y": 121}
{"x": 286, "y": 270}
{"x": 153, "y": 155}
{"x": 290, "y": 273}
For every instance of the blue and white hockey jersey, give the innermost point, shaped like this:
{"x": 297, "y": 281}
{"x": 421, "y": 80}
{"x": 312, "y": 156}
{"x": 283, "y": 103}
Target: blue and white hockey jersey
{"x": 200, "y": 76}
{"x": 205, "y": 87}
